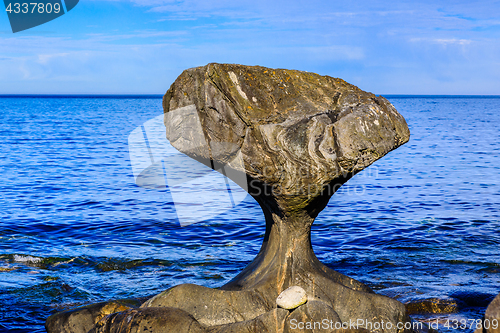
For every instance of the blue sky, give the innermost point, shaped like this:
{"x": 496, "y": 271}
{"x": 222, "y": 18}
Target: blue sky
{"x": 141, "y": 46}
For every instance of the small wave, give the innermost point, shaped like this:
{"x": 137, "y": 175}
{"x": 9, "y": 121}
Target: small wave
{"x": 26, "y": 259}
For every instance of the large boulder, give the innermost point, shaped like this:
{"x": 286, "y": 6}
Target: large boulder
{"x": 492, "y": 316}
{"x": 491, "y": 319}
{"x": 291, "y": 139}
{"x": 83, "y": 319}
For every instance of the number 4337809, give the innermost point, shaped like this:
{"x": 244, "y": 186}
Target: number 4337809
{"x": 33, "y": 8}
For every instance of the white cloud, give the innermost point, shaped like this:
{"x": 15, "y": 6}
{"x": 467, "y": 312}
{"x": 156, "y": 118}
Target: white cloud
{"x": 443, "y": 41}
{"x": 453, "y": 41}
{"x": 45, "y": 58}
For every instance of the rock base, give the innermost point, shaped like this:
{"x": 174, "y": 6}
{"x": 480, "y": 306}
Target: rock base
{"x": 313, "y": 316}
{"x": 330, "y": 306}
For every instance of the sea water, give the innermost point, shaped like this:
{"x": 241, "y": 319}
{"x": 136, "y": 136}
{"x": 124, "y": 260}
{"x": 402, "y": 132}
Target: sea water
{"x": 421, "y": 223}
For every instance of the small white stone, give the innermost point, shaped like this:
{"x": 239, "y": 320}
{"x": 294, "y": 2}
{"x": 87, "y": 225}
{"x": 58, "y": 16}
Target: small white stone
{"x": 291, "y": 298}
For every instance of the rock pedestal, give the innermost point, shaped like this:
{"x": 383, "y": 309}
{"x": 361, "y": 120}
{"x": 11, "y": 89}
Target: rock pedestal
{"x": 291, "y": 139}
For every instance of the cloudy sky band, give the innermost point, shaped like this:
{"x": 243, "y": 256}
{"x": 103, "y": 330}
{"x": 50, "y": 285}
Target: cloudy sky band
{"x": 139, "y": 46}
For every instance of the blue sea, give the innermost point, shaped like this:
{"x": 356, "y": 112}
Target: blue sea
{"x": 421, "y": 223}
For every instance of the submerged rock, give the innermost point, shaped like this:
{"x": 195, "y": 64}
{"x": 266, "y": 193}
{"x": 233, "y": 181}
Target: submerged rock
{"x": 291, "y": 139}
{"x": 432, "y": 305}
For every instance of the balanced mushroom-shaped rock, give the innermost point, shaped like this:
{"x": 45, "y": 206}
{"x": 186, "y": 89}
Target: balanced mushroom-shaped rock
{"x": 290, "y": 139}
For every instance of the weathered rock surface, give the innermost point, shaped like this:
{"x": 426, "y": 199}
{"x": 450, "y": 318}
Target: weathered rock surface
{"x": 271, "y": 321}
{"x": 291, "y": 298}
{"x": 313, "y": 317}
{"x": 212, "y": 306}
{"x": 157, "y": 320}
{"x": 491, "y": 320}
{"x": 291, "y": 139}
{"x": 82, "y": 320}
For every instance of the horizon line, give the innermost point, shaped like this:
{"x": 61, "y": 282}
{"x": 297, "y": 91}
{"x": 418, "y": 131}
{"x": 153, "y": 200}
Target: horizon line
{"x": 152, "y": 96}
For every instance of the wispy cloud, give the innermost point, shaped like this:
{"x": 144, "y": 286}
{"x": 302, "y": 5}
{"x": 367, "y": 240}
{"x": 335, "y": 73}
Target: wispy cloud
{"x": 443, "y": 41}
